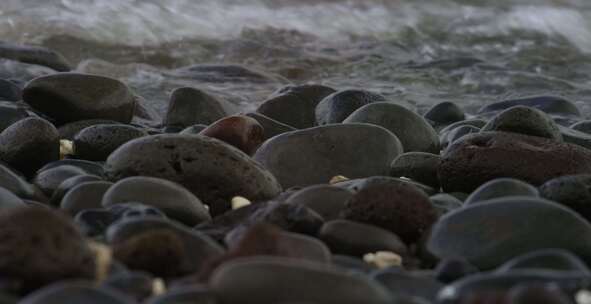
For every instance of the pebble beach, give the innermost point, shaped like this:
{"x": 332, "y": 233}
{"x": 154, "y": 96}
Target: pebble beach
{"x": 295, "y": 152}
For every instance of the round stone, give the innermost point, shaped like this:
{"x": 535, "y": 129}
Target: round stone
{"x": 445, "y": 113}
{"x": 419, "y": 166}
{"x": 99, "y": 141}
{"x": 413, "y": 131}
{"x": 190, "y": 106}
{"x": 67, "y": 97}
{"x": 315, "y": 155}
{"x": 84, "y": 196}
{"x": 573, "y": 191}
{"x": 76, "y": 292}
{"x": 174, "y": 200}
{"x": 326, "y": 200}
{"x": 501, "y": 187}
{"x": 240, "y": 131}
{"x": 547, "y": 104}
{"x": 211, "y": 169}
{"x": 524, "y": 120}
{"x": 337, "y": 106}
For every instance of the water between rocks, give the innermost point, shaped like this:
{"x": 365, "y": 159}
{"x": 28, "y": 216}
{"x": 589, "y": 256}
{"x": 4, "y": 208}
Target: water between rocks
{"x": 471, "y": 52}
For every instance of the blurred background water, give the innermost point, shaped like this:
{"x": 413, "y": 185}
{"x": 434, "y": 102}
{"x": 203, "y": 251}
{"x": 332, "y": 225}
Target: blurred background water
{"x": 467, "y": 51}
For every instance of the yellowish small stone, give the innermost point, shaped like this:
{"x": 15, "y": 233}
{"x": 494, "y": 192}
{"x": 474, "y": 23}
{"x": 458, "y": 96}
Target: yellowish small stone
{"x": 383, "y": 259}
{"x": 583, "y": 297}
{"x": 337, "y": 179}
{"x": 239, "y": 202}
{"x": 66, "y": 147}
{"x": 158, "y": 287}
{"x": 103, "y": 259}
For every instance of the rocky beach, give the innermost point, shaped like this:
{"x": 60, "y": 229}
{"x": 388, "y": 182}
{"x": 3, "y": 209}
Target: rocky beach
{"x": 286, "y": 152}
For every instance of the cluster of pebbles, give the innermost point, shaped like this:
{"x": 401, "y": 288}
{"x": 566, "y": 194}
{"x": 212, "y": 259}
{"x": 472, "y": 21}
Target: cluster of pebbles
{"x": 318, "y": 196}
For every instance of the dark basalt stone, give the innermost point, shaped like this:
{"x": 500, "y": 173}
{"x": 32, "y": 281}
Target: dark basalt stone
{"x": 501, "y": 187}
{"x": 213, "y": 170}
{"x": 337, "y": 106}
{"x": 445, "y": 113}
{"x": 16, "y": 184}
{"x": 29, "y": 144}
{"x": 315, "y": 155}
{"x": 452, "y": 269}
{"x": 409, "y": 284}
{"x": 9, "y": 200}
{"x": 418, "y": 166}
{"x": 69, "y": 130}
{"x": 573, "y": 191}
{"x": 41, "y": 246}
{"x": 10, "y": 113}
{"x": 135, "y": 284}
{"x": 76, "y": 292}
{"x": 457, "y": 133}
{"x": 49, "y": 180}
{"x": 582, "y": 126}
{"x": 489, "y": 233}
{"x": 69, "y": 184}
{"x": 326, "y": 200}
{"x": 99, "y": 141}
{"x": 94, "y": 222}
{"x": 174, "y": 200}
{"x": 413, "y": 131}
{"x": 10, "y": 91}
{"x": 185, "y": 295}
{"x": 190, "y": 106}
{"x": 524, "y": 120}
{"x": 68, "y": 97}
{"x": 90, "y": 167}
{"x": 84, "y": 196}
{"x": 265, "y": 280}
{"x": 549, "y": 259}
{"x": 34, "y": 55}
{"x": 194, "y": 129}
{"x": 272, "y": 127}
{"x": 395, "y": 206}
{"x": 219, "y": 73}
{"x": 482, "y": 157}
{"x": 295, "y": 105}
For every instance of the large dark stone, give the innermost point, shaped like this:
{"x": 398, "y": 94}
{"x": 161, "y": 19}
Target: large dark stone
{"x": 573, "y": 191}
{"x": 240, "y": 131}
{"x": 99, "y": 141}
{"x": 524, "y": 120}
{"x": 413, "y": 131}
{"x": 478, "y": 158}
{"x": 315, "y": 155}
{"x": 271, "y": 126}
{"x": 445, "y": 113}
{"x": 295, "y": 105}
{"x": 67, "y": 97}
{"x": 501, "y": 187}
{"x": 419, "y": 166}
{"x": 76, "y": 292}
{"x": 29, "y": 144}
{"x": 489, "y": 233}
{"x": 547, "y": 104}
{"x": 326, "y": 200}
{"x": 189, "y": 106}
{"x": 213, "y": 170}
{"x": 34, "y": 55}
{"x": 337, "y": 106}
{"x": 10, "y": 91}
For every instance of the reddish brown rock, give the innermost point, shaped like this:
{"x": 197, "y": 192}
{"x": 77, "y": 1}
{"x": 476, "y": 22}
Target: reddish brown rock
{"x": 395, "y": 206}
{"x": 482, "y": 157}
{"x": 240, "y": 131}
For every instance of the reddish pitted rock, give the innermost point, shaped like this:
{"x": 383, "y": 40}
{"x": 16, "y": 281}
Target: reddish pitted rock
{"x": 395, "y": 206}
{"x": 240, "y": 131}
{"x": 481, "y": 157}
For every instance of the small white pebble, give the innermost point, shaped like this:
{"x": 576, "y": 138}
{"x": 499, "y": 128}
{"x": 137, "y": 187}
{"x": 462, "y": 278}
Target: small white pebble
{"x": 239, "y": 202}
{"x": 158, "y": 287}
{"x": 337, "y": 179}
{"x": 66, "y": 147}
{"x": 103, "y": 259}
{"x": 383, "y": 259}
{"x": 583, "y": 297}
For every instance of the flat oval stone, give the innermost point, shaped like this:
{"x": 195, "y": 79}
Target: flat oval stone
{"x": 41, "y": 246}
{"x": 575, "y": 137}
{"x": 315, "y": 155}
{"x": 240, "y": 131}
{"x": 413, "y": 131}
{"x": 264, "y": 280}
{"x": 173, "y": 199}
{"x": 69, "y": 130}
{"x": 76, "y": 292}
{"x": 354, "y": 185}
{"x": 69, "y": 184}
{"x": 326, "y": 200}
{"x": 572, "y": 191}
{"x": 489, "y": 233}
{"x": 337, "y": 106}
{"x": 272, "y": 127}
{"x": 501, "y": 187}
{"x": 190, "y": 106}
{"x": 395, "y": 206}
{"x": 135, "y": 284}
{"x": 449, "y": 270}
{"x": 458, "y": 133}
{"x": 445, "y": 202}
{"x": 445, "y": 113}
{"x": 29, "y": 144}
{"x": 67, "y": 97}
{"x": 99, "y": 141}
{"x": 9, "y": 200}
{"x": 550, "y": 259}
{"x": 357, "y": 239}
{"x": 90, "y": 167}
{"x": 49, "y": 180}
{"x": 197, "y": 250}
{"x": 16, "y": 184}
{"x": 84, "y": 196}
{"x": 482, "y": 157}
{"x": 34, "y": 55}
{"x": 582, "y": 126}
{"x": 295, "y": 105}
{"x": 419, "y": 166}
{"x": 524, "y": 120}
{"x": 546, "y": 104}
{"x": 212, "y": 170}
{"x": 10, "y": 91}
{"x": 410, "y": 284}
